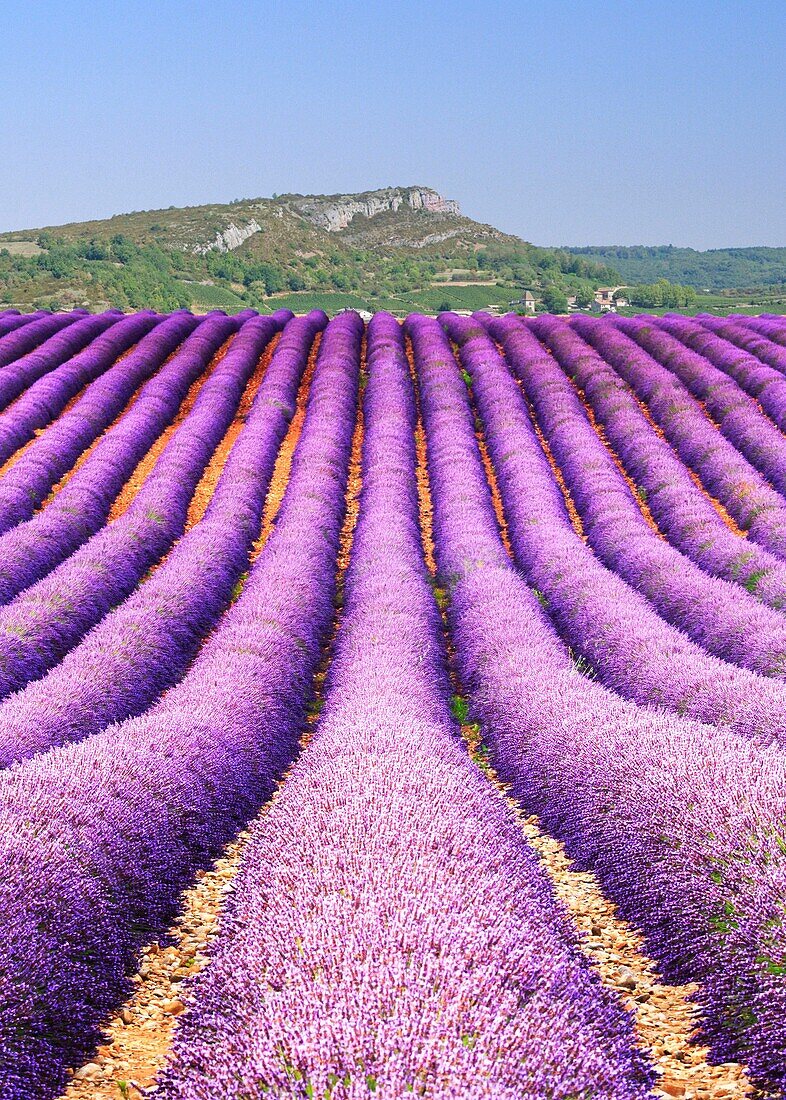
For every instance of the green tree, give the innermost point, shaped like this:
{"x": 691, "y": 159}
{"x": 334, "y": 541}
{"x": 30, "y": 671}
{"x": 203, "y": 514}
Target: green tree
{"x": 555, "y": 300}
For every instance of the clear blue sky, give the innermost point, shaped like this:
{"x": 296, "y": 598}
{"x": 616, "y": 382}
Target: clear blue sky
{"x": 565, "y": 121}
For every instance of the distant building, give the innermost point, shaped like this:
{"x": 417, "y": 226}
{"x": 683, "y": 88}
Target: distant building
{"x": 605, "y": 301}
{"x": 527, "y": 300}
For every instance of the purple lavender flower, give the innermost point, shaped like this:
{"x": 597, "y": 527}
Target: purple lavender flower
{"x": 390, "y": 930}
{"x": 47, "y": 619}
{"x": 146, "y": 643}
{"x": 737, "y": 414}
{"x": 98, "y": 839}
{"x": 682, "y": 823}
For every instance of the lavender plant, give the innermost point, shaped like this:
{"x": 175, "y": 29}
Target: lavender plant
{"x": 121, "y": 822}
{"x": 682, "y": 823}
{"x": 409, "y": 940}
{"x": 147, "y": 642}
{"x": 685, "y": 513}
{"x": 738, "y": 415}
{"x": 32, "y": 548}
{"x": 40, "y": 625}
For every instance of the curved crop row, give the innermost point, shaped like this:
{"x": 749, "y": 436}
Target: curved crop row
{"x": 614, "y": 628}
{"x": 755, "y": 343}
{"x": 146, "y": 643}
{"x": 24, "y": 338}
{"x": 425, "y": 953}
{"x": 49, "y": 618}
{"x": 765, "y": 385}
{"x": 718, "y": 615}
{"x": 767, "y": 325}
{"x": 739, "y": 416}
{"x": 682, "y": 823}
{"x": 681, "y": 510}
{"x": 108, "y": 333}
{"x": 12, "y": 319}
{"x": 101, "y": 837}
{"x": 26, "y": 485}
{"x": 46, "y": 398}
{"x": 32, "y": 548}
{"x": 749, "y": 498}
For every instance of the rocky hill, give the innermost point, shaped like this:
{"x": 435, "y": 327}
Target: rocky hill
{"x": 384, "y": 244}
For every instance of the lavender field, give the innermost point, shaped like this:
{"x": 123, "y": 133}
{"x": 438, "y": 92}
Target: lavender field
{"x": 392, "y": 709}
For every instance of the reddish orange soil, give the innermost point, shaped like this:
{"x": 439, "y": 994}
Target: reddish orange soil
{"x": 129, "y": 491}
{"x": 281, "y": 470}
{"x": 207, "y": 483}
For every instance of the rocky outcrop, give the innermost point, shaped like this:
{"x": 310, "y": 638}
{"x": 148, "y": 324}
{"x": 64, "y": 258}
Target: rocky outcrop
{"x": 335, "y": 212}
{"x": 231, "y": 238}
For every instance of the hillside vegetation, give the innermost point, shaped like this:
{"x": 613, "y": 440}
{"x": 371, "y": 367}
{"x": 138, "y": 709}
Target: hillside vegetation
{"x": 401, "y": 248}
{"x": 715, "y": 269}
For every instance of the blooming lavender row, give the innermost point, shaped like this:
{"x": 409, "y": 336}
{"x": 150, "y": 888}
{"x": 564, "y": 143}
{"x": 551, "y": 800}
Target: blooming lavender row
{"x": 750, "y": 500}
{"x": 110, "y": 332}
{"x": 99, "y": 838}
{"x": 609, "y": 624}
{"x": 24, "y": 488}
{"x": 24, "y": 338}
{"x": 682, "y": 823}
{"x": 739, "y": 334}
{"x": 767, "y": 325}
{"x": 425, "y": 952}
{"x": 682, "y": 511}
{"x": 738, "y": 415}
{"x": 146, "y": 643}
{"x": 718, "y": 615}
{"x": 11, "y": 320}
{"x": 50, "y": 617}
{"x": 29, "y": 550}
{"x": 46, "y": 398}
{"x": 763, "y": 383}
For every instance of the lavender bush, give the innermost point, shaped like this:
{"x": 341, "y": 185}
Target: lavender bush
{"x": 718, "y": 615}
{"x": 754, "y": 377}
{"x": 25, "y": 486}
{"x": 614, "y": 629}
{"x": 683, "y": 512}
{"x": 738, "y": 415}
{"x": 108, "y": 333}
{"x": 682, "y": 823}
{"x": 48, "y": 618}
{"x": 34, "y": 547}
{"x": 146, "y": 643}
{"x": 100, "y": 837}
{"x": 747, "y": 495}
{"x": 767, "y": 325}
{"x": 740, "y": 334}
{"x": 24, "y": 338}
{"x": 424, "y": 953}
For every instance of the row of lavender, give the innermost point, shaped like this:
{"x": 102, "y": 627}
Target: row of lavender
{"x": 611, "y": 780}
{"x": 104, "y": 656}
{"x": 100, "y": 837}
{"x": 425, "y": 952}
{"x": 683, "y": 823}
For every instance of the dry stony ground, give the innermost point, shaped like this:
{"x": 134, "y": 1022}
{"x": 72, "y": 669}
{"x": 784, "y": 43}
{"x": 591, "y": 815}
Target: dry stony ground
{"x": 139, "y": 1037}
